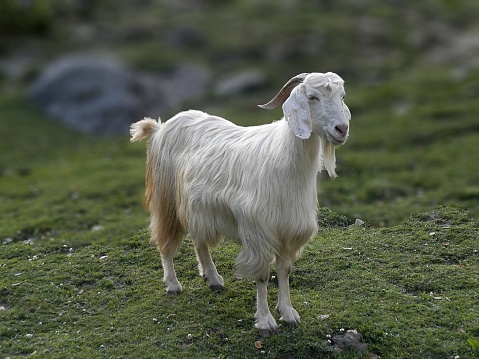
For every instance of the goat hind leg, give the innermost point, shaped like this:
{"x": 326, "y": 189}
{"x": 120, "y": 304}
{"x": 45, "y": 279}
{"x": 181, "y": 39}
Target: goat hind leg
{"x": 172, "y": 284}
{"x": 168, "y": 243}
{"x": 207, "y": 267}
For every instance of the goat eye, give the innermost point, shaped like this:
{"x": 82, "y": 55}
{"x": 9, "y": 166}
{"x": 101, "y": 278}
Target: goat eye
{"x": 313, "y": 98}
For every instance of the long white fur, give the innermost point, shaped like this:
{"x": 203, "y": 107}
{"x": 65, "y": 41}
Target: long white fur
{"x": 213, "y": 179}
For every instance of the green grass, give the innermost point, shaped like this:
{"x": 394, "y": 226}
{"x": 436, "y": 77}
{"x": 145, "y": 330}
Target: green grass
{"x": 79, "y": 278}
{"x": 411, "y": 290}
{"x": 59, "y": 187}
{"x": 395, "y": 163}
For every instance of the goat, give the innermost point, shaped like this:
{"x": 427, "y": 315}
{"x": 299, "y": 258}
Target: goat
{"x": 212, "y": 179}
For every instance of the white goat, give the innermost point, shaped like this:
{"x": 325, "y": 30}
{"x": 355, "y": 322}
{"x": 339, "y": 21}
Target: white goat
{"x": 212, "y": 179}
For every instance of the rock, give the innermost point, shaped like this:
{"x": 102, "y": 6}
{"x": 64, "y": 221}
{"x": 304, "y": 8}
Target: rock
{"x": 358, "y": 222}
{"x": 350, "y": 340}
{"x": 186, "y": 82}
{"x": 240, "y": 82}
{"x": 99, "y": 95}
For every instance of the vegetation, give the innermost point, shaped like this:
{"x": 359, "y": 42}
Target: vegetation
{"x": 79, "y": 277}
{"x": 411, "y": 290}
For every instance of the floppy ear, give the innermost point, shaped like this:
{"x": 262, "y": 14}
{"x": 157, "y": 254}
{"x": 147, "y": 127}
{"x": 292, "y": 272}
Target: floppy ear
{"x": 346, "y": 111}
{"x": 296, "y": 112}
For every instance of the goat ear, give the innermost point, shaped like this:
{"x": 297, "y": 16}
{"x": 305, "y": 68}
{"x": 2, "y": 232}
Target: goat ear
{"x": 296, "y": 112}
{"x": 346, "y": 110}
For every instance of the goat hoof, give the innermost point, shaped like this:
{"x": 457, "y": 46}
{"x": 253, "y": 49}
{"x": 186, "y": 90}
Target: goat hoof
{"x": 291, "y": 323}
{"x": 217, "y": 287}
{"x": 266, "y": 325}
{"x": 266, "y": 332}
{"x": 173, "y": 292}
{"x": 214, "y": 282}
{"x": 290, "y": 317}
{"x": 173, "y": 288}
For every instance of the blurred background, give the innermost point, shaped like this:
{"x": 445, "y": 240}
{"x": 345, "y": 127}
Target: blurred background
{"x": 70, "y": 69}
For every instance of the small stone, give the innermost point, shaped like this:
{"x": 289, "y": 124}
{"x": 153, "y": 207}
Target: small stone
{"x": 358, "y": 222}
{"x": 97, "y": 227}
{"x": 350, "y": 340}
{"x": 189, "y": 336}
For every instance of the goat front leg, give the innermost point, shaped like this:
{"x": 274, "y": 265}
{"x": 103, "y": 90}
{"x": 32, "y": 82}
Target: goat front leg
{"x": 289, "y": 315}
{"x": 207, "y": 267}
{"x": 264, "y": 321}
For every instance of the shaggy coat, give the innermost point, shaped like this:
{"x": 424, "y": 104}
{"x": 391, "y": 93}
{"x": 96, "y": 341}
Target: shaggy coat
{"x": 213, "y": 179}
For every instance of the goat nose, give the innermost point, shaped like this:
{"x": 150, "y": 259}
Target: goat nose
{"x": 342, "y": 129}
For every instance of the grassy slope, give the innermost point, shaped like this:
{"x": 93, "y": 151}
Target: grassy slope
{"x": 411, "y": 290}
{"x": 396, "y": 163}
{"x": 57, "y": 187}
{"x": 78, "y": 282}
{"x": 64, "y": 188}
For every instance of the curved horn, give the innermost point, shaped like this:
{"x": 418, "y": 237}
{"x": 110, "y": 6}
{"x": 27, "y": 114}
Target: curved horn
{"x": 284, "y": 92}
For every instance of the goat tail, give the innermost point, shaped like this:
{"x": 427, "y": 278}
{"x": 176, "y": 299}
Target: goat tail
{"x": 143, "y": 129}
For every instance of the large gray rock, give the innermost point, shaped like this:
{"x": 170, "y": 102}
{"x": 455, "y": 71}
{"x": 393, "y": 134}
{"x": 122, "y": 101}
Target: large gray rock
{"x": 238, "y": 83}
{"x": 99, "y": 95}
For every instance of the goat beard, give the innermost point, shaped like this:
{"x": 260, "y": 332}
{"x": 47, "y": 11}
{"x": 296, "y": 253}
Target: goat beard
{"x": 327, "y": 158}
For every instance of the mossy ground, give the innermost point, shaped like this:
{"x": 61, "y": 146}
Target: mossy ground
{"x": 411, "y": 290}
{"x": 79, "y": 278}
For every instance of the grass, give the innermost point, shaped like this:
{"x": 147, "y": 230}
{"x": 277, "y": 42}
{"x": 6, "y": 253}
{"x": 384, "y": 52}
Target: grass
{"x": 411, "y": 290}
{"x": 396, "y": 163}
{"x": 80, "y": 279}
{"x": 61, "y": 188}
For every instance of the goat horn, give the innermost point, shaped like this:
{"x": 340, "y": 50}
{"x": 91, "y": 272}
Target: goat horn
{"x": 284, "y": 92}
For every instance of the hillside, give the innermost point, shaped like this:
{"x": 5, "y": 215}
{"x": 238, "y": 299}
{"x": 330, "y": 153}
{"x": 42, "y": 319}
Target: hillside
{"x": 410, "y": 290}
{"x": 79, "y": 278}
